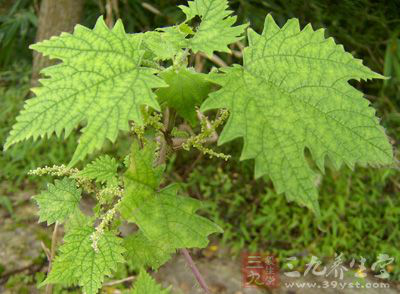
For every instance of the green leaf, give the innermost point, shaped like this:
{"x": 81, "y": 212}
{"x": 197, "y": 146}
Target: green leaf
{"x": 165, "y": 43}
{"x": 60, "y": 201}
{"x": 142, "y": 252}
{"x": 215, "y": 31}
{"x": 77, "y": 261}
{"x": 187, "y": 89}
{"x": 292, "y": 93}
{"x": 142, "y": 170}
{"x": 162, "y": 216}
{"x": 145, "y": 284}
{"x": 103, "y": 170}
{"x": 77, "y": 220}
{"x": 100, "y": 82}
{"x": 169, "y": 218}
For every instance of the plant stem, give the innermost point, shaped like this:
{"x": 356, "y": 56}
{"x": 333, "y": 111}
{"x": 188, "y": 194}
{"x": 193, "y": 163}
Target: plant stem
{"x": 112, "y": 283}
{"x": 195, "y": 270}
{"x": 49, "y": 287}
{"x": 161, "y": 160}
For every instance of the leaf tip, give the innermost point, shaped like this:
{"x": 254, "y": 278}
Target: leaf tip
{"x": 10, "y": 141}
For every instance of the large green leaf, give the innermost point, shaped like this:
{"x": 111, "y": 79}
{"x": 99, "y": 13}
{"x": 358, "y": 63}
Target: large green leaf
{"x": 291, "y": 94}
{"x": 162, "y": 216}
{"x": 169, "y": 218}
{"x": 100, "y": 82}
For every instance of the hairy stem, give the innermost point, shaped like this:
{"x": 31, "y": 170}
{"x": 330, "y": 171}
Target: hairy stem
{"x": 112, "y": 283}
{"x": 195, "y": 270}
{"x": 49, "y": 287}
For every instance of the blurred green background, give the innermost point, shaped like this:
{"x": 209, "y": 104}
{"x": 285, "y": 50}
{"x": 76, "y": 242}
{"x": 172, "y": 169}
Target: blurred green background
{"x": 360, "y": 208}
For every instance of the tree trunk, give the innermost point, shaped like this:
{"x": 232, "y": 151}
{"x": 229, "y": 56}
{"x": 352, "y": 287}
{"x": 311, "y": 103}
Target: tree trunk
{"x": 55, "y": 17}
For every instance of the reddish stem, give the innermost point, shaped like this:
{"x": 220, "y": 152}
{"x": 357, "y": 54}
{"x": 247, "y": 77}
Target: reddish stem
{"x": 195, "y": 270}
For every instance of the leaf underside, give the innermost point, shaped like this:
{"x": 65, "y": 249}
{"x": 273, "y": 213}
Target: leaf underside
{"x": 292, "y": 93}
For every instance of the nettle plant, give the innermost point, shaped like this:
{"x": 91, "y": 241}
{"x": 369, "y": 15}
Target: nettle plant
{"x": 290, "y": 95}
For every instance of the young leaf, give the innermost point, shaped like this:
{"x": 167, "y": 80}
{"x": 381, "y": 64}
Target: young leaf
{"x": 165, "y": 43}
{"x": 141, "y": 169}
{"x": 145, "y": 284}
{"x": 100, "y": 81}
{"x": 103, "y": 169}
{"x": 142, "y": 253}
{"x": 187, "y": 89}
{"x": 77, "y": 261}
{"x": 59, "y": 201}
{"x": 162, "y": 216}
{"x": 215, "y": 31}
{"x": 292, "y": 93}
